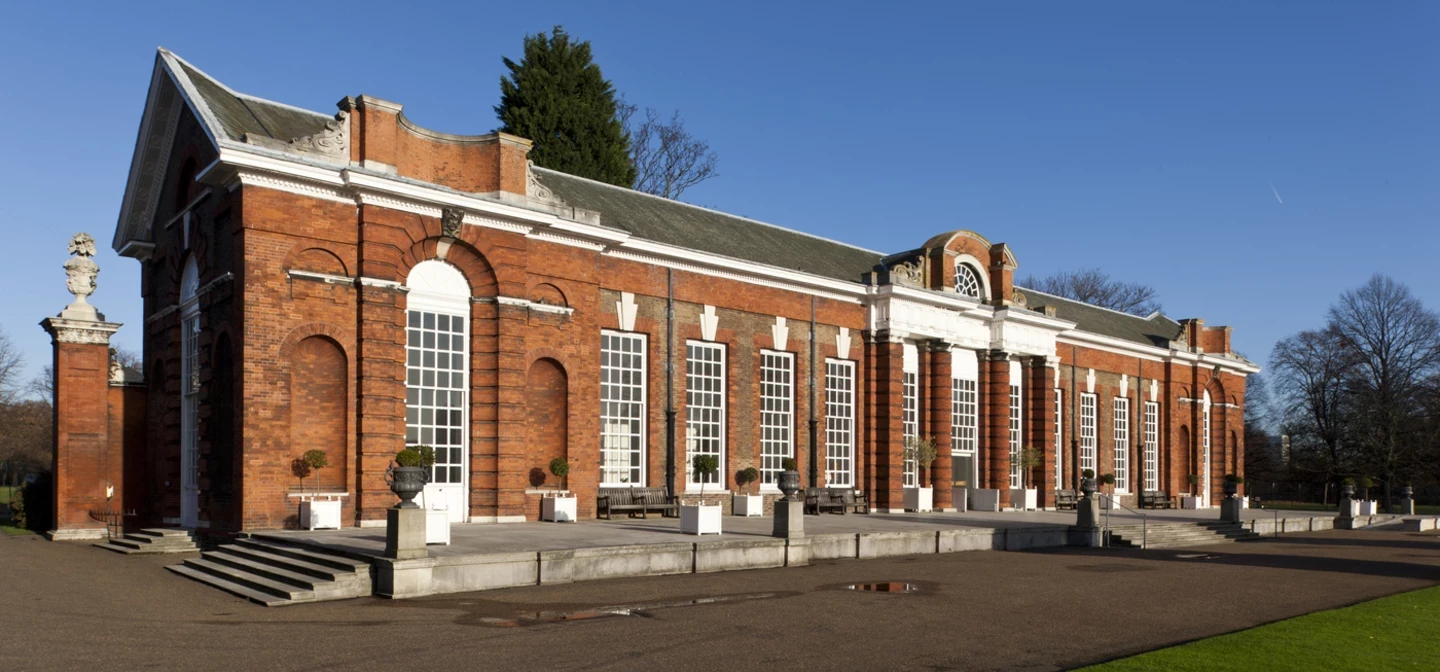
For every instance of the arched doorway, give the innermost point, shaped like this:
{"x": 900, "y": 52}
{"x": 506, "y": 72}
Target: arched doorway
{"x": 437, "y": 381}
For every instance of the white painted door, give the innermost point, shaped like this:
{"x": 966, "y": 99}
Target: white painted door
{"x": 1205, "y": 452}
{"x": 436, "y": 399}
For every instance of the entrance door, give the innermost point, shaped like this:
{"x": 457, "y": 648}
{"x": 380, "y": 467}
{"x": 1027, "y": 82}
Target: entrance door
{"x": 1205, "y": 451}
{"x": 435, "y": 410}
{"x": 190, "y": 424}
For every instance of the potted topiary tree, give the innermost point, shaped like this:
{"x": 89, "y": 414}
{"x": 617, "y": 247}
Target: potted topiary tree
{"x": 789, "y": 481}
{"x": 701, "y": 518}
{"x": 1368, "y": 507}
{"x": 749, "y": 504}
{"x": 1232, "y": 485}
{"x": 1192, "y": 500}
{"x": 559, "y": 506}
{"x": 410, "y": 474}
{"x": 1087, "y": 482}
{"x": 922, "y": 451}
{"x": 1108, "y": 480}
{"x": 318, "y": 510}
{"x": 1026, "y": 497}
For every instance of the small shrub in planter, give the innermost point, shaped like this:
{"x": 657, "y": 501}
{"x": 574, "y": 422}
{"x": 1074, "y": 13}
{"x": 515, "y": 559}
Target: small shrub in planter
{"x": 314, "y": 461}
{"x": 1193, "y": 480}
{"x": 561, "y": 468}
{"x": 411, "y": 472}
{"x": 747, "y": 476}
{"x": 704, "y": 467}
{"x": 1366, "y": 483}
{"x": 923, "y": 451}
{"x": 789, "y": 478}
{"x": 1087, "y": 482}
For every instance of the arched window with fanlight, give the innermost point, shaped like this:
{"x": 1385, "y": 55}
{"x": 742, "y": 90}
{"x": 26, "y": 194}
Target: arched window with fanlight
{"x": 967, "y": 281}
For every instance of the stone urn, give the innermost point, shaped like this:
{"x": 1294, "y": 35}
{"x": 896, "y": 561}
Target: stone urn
{"x": 1231, "y": 488}
{"x": 1087, "y": 486}
{"x": 789, "y": 484}
{"x": 1347, "y": 491}
{"x": 1407, "y": 492}
{"x": 406, "y": 482}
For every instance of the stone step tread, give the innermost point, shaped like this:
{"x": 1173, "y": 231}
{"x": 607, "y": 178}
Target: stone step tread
{"x": 313, "y": 569}
{"x": 165, "y": 532}
{"x": 159, "y": 541}
{"x": 133, "y": 547}
{"x": 266, "y": 570}
{"x": 326, "y": 559}
{"x": 237, "y": 589}
{"x": 276, "y": 588}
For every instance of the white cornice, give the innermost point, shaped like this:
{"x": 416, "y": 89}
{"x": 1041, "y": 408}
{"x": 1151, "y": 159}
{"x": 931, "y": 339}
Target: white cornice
{"x": 1154, "y": 354}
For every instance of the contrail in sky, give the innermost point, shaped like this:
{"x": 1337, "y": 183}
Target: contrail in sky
{"x": 1277, "y": 193}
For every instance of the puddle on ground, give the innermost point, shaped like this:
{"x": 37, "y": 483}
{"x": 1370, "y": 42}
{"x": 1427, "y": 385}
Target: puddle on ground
{"x": 1108, "y": 569}
{"x": 885, "y": 587}
{"x": 641, "y": 610}
{"x": 1196, "y": 556}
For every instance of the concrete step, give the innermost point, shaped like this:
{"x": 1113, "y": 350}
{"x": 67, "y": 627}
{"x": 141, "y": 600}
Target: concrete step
{"x": 305, "y": 554}
{"x": 1176, "y": 535}
{"x": 237, "y": 589}
{"x": 276, "y": 589}
{"x": 152, "y": 541}
{"x": 166, "y": 532}
{"x": 311, "y": 569}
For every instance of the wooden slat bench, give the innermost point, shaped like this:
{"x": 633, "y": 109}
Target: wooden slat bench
{"x": 635, "y": 500}
{"x": 1065, "y": 499}
{"x": 1155, "y": 499}
{"x": 843, "y": 500}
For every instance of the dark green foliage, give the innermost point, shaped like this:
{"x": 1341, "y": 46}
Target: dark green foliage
{"x": 1107, "y": 479}
{"x": 557, "y": 97}
{"x": 788, "y": 464}
{"x": 416, "y": 456}
{"x": 561, "y": 468}
{"x": 1232, "y": 478}
{"x": 30, "y": 507}
{"x": 1087, "y": 473}
{"x": 746, "y": 476}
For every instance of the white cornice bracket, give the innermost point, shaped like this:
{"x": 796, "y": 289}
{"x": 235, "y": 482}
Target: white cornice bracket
{"x": 625, "y": 308}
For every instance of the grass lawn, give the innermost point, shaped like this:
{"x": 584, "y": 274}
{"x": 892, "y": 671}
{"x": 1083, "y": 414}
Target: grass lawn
{"x": 1392, "y": 633}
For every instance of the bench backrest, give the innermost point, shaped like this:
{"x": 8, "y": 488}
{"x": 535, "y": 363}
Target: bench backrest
{"x": 1064, "y": 495}
{"x": 1158, "y": 495}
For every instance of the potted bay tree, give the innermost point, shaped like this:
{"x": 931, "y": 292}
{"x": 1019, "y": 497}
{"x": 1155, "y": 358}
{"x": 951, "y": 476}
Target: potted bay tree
{"x": 922, "y": 451}
{"x": 1192, "y": 500}
{"x": 701, "y": 518}
{"x": 749, "y": 504}
{"x": 559, "y": 506}
{"x": 318, "y": 510}
{"x": 1026, "y": 497}
{"x": 1368, "y": 507}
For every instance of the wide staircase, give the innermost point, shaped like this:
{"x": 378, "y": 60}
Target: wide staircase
{"x": 152, "y": 541}
{"x": 274, "y": 573}
{"x": 1176, "y": 535}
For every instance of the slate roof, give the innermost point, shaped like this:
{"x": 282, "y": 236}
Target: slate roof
{"x": 240, "y": 114}
{"x": 1156, "y": 330}
{"x": 692, "y": 227}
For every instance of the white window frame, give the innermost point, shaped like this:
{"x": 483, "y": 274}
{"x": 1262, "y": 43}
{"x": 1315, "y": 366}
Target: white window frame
{"x": 190, "y": 394}
{"x": 962, "y": 269}
{"x": 614, "y": 432}
{"x": 964, "y": 416}
{"x": 1087, "y": 432}
{"x": 1152, "y": 446}
{"x": 777, "y": 415}
{"x": 1017, "y": 435}
{"x": 423, "y": 392}
{"x": 1122, "y": 444}
{"x": 1205, "y": 449}
{"x": 1059, "y": 436}
{"x": 909, "y": 425}
{"x": 705, "y": 410}
{"x": 840, "y": 423}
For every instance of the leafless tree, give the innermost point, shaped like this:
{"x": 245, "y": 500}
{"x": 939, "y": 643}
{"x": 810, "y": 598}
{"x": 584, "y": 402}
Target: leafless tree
{"x": 1309, "y": 370}
{"x": 25, "y": 438}
{"x": 12, "y": 366}
{"x": 1097, "y": 288}
{"x": 1395, "y": 345}
{"x": 42, "y": 386}
{"x": 668, "y": 160}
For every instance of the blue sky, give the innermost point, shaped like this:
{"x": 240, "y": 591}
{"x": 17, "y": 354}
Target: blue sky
{"x": 1139, "y": 137}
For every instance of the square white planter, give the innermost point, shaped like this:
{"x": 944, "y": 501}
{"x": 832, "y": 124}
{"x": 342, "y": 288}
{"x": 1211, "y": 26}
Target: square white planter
{"x": 559, "y": 509}
{"x": 748, "y": 505}
{"x": 1189, "y": 502}
{"x": 961, "y": 498}
{"x": 437, "y": 526}
{"x": 1369, "y": 508}
{"x": 919, "y": 499}
{"x": 700, "y": 519}
{"x": 985, "y": 499}
{"x": 320, "y": 514}
{"x": 1024, "y": 499}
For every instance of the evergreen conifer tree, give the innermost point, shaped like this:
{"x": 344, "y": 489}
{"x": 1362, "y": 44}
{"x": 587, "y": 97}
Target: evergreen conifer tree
{"x": 557, "y": 97}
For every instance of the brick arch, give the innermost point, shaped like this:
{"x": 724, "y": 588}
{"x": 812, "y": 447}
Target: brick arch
{"x": 465, "y": 257}
{"x": 306, "y": 256}
{"x": 547, "y": 418}
{"x": 547, "y": 292}
{"x": 342, "y": 337}
{"x": 563, "y": 358}
{"x": 318, "y": 371}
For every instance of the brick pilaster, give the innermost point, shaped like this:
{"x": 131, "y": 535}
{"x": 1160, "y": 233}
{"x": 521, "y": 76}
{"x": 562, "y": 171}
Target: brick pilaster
{"x": 998, "y": 416}
{"x": 1042, "y": 426}
{"x": 939, "y": 416}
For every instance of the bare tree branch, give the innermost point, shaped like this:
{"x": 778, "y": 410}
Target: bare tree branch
{"x": 12, "y": 364}
{"x": 1097, "y": 288}
{"x": 668, "y": 160}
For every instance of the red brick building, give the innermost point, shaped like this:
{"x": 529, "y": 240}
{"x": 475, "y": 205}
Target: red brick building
{"x": 353, "y": 283}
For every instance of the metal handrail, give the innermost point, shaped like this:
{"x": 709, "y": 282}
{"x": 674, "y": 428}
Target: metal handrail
{"x": 1144, "y": 521}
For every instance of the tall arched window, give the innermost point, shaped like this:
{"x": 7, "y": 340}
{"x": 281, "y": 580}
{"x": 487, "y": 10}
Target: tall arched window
{"x": 190, "y": 395}
{"x": 437, "y": 375}
{"x": 967, "y": 282}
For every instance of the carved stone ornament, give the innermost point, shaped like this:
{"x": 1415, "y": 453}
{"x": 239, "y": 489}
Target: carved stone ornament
{"x": 450, "y": 219}
{"x": 534, "y": 190}
{"x": 83, "y": 332}
{"x": 333, "y": 140}
{"x": 80, "y": 272}
{"x": 908, "y": 273}
{"x": 1020, "y": 299}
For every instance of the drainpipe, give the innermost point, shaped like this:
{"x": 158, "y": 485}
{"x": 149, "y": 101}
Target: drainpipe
{"x": 670, "y": 382}
{"x": 814, "y": 449}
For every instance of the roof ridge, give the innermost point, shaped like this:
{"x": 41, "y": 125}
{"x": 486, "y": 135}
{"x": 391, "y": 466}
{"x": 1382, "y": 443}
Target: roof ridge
{"x": 712, "y": 210}
{"x": 1149, "y": 318}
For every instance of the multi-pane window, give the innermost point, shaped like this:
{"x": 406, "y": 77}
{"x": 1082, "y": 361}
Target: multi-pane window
{"x": 1122, "y": 444}
{"x": 436, "y": 389}
{"x": 910, "y": 424}
{"x": 1087, "y": 431}
{"x": 1017, "y": 474}
{"x": 1059, "y": 445}
{"x": 1152, "y": 446}
{"x": 190, "y": 394}
{"x": 963, "y": 417}
{"x": 622, "y": 409}
{"x": 967, "y": 283}
{"x": 839, "y": 423}
{"x": 777, "y": 413}
{"x": 1205, "y": 448}
{"x": 704, "y": 409}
